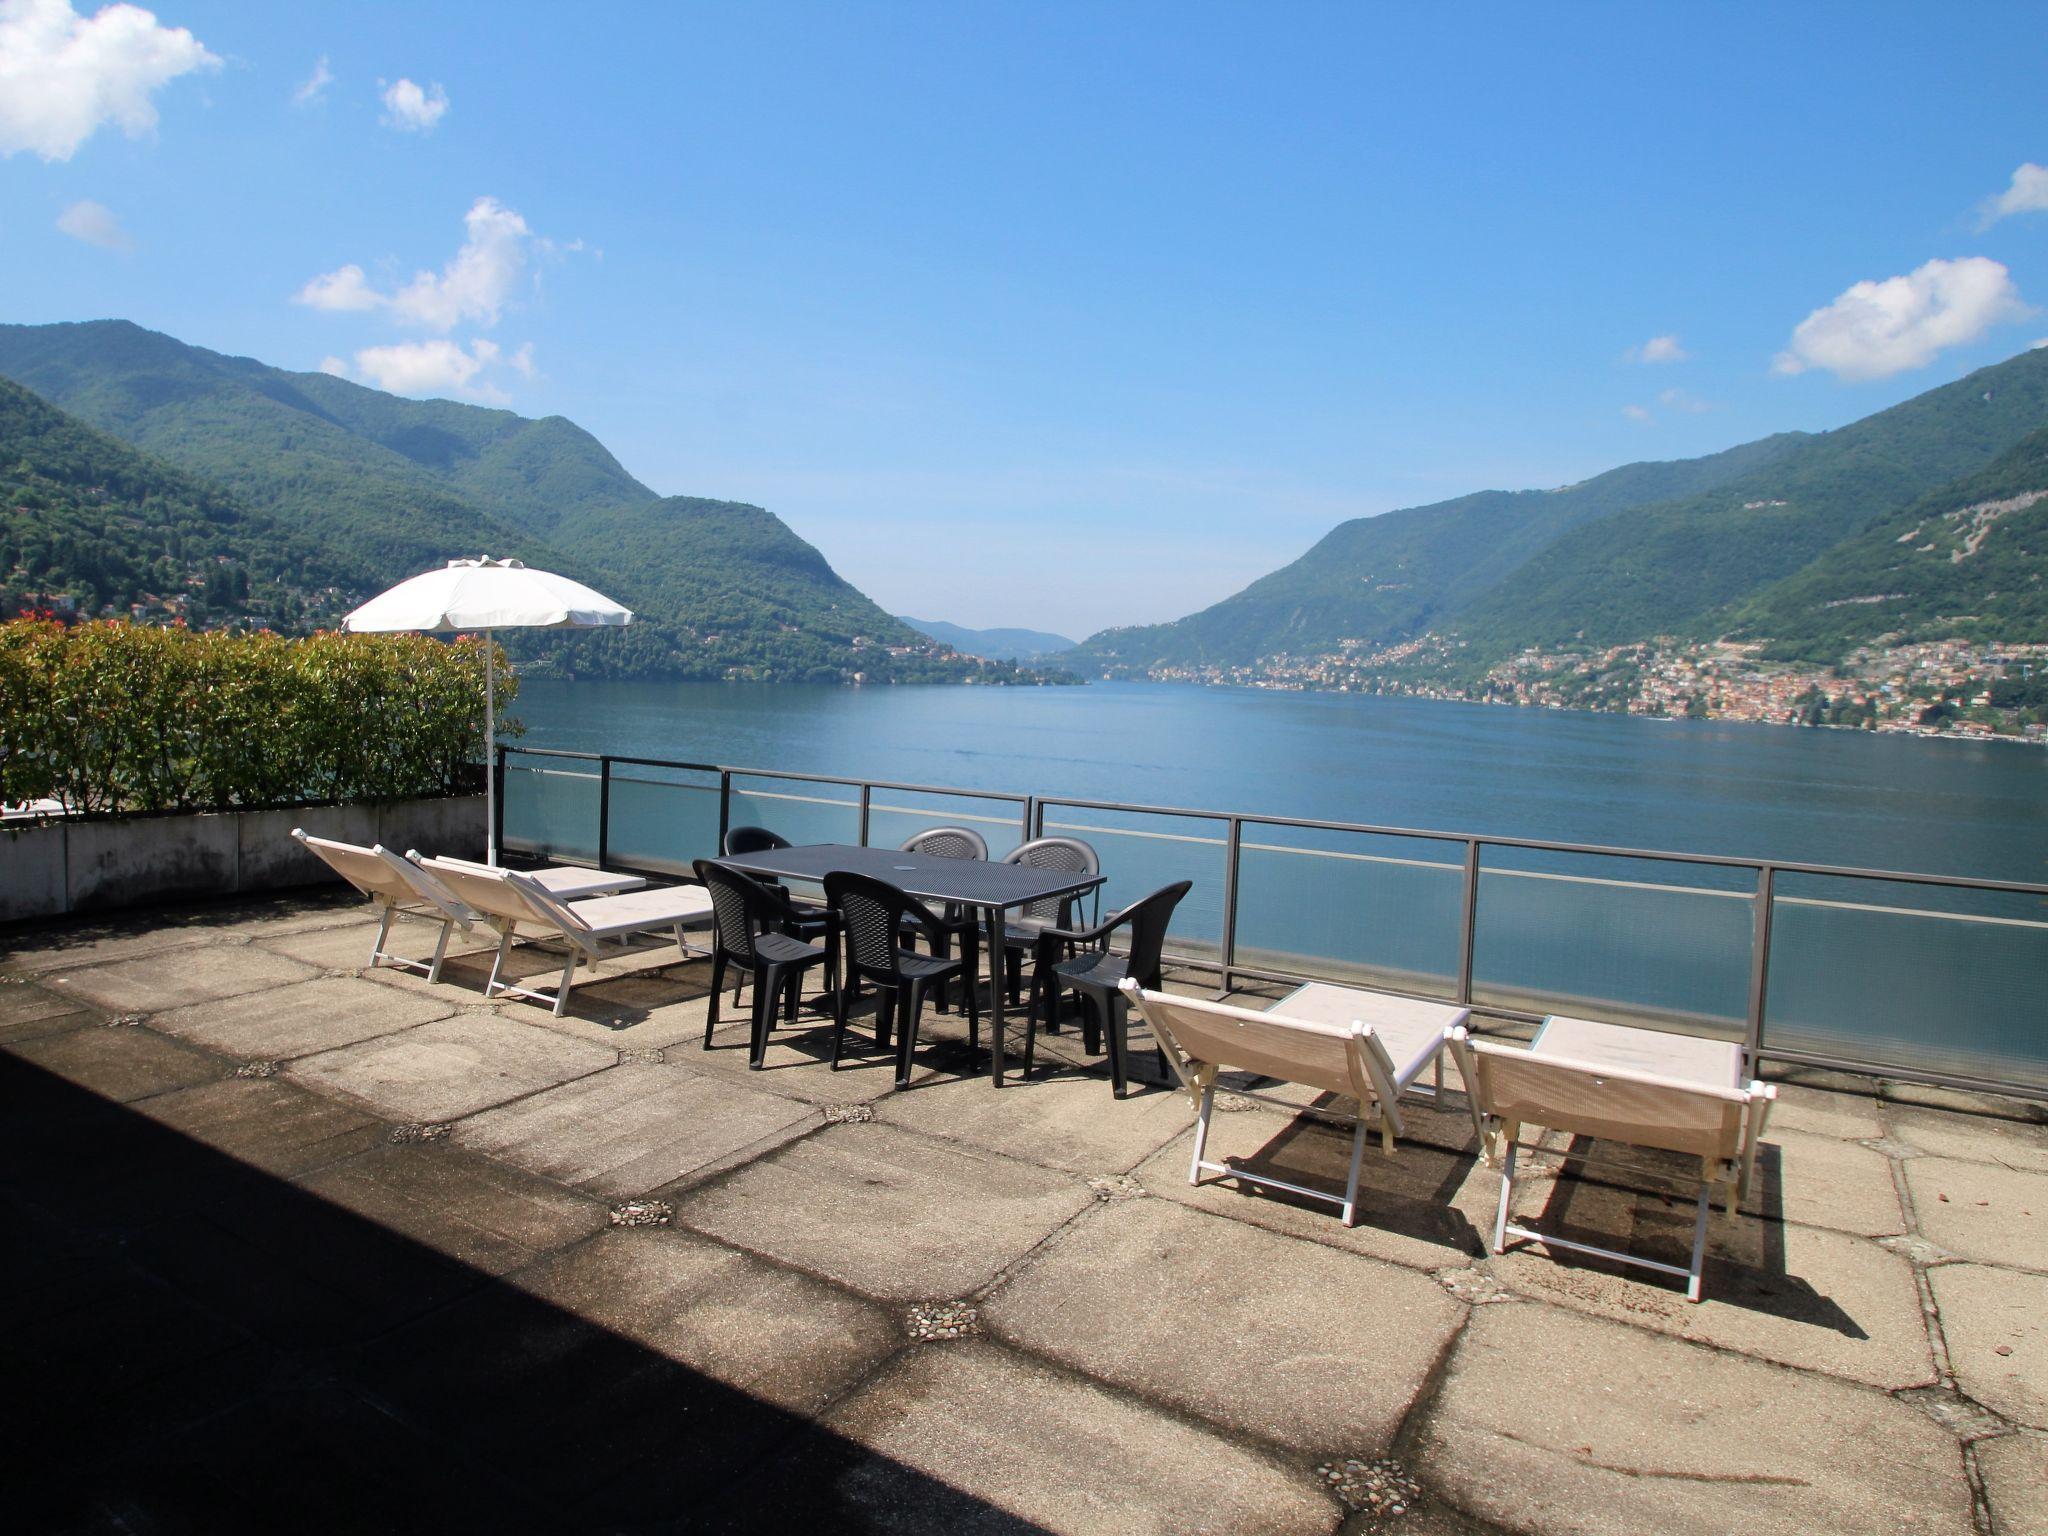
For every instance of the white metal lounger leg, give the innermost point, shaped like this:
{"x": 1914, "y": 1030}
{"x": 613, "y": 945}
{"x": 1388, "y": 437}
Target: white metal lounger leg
{"x": 1699, "y": 1243}
{"x": 568, "y": 980}
{"x": 1201, "y": 1133}
{"x": 383, "y": 933}
{"x": 498, "y": 965}
{"x": 440, "y": 951}
{"x": 1507, "y": 1197}
{"x": 1357, "y": 1160}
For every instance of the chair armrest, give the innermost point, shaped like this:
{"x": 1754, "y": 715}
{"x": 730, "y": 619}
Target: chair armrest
{"x": 1095, "y": 935}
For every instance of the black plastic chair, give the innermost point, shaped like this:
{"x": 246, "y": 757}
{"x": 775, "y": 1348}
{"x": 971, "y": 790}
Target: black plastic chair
{"x": 1094, "y": 975}
{"x": 873, "y": 915}
{"x": 1022, "y": 927}
{"x": 950, "y": 843}
{"x": 810, "y": 925}
{"x": 751, "y": 928}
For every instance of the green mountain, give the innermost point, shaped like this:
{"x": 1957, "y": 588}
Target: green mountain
{"x": 88, "y": 523}
{"x": 373, "y": 487}
{"x": 1000, "y": 644}
{"x": 1641, "y": 551}
{"x": 1381, "y": 580}
{"x": 1967, "y": 561}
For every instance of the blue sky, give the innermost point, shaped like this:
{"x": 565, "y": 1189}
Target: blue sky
{"x": 1063, "y": 315}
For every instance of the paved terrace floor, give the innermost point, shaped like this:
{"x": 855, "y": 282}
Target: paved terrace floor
{"x": 297, "y": 1245}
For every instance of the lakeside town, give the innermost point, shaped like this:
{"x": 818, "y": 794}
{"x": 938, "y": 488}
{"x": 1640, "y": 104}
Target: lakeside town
{"x": 1938, "y": 688}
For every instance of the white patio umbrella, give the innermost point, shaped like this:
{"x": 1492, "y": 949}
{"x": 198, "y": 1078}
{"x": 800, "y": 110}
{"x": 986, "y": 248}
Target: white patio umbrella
{"x": 485, "y": 595}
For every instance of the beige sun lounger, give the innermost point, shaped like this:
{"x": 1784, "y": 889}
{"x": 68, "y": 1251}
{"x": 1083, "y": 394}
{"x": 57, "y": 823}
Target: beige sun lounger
{"x": 1351, "y": 1060}
{"x": 392, "y": 886}
{"x": 506, "y": 899}
{"x": 564, "y": 882}
{"x": 1642, "y": 1087}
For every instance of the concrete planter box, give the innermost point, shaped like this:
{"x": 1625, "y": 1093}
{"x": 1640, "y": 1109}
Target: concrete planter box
{"x": 95, "y": 866}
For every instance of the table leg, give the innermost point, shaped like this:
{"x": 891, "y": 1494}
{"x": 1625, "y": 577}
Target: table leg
{"x": 995, "y": 996}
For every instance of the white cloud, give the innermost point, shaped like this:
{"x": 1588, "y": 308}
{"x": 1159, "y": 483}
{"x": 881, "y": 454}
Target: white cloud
{"x": 1658, "y": 349}
{"x": 344, "y": 288}
{"x": 2027, "y": 194}
{"x": 314, "y": 86}
{"x": 95, "y": 224}
{"x": 63, "y": 76}
{"x": 436, "y": 367}
{"x": 476, "y": 284}
{"x": 1636, "y": 412}
{"x": 1683, "y": 400}
{"x": 412, "y": 110}
{"x": 2037, "y": 346}
{"x": 1879, "y": 328}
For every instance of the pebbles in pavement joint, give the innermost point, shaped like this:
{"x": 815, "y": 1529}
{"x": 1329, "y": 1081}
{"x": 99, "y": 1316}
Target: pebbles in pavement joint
{"x": 1473, "y": 1285}
{"x": 1233, "y": 1103}
{"x": 848, "y": 1114}
{"x": 1954, "y": 1412}
{"x": 932, "y": 1321}
{"x": 640, "y": 1058}
{"x": 1916, "y": 1250}
{"x": 121, "y": 1021}
{"x": 255, "y": 1069}
{"x": 642, "y": 1213}
{"x": 1378, "y": 1488}
{"x": 414, "y": 1130}
{"x": 1114, "y": 1188}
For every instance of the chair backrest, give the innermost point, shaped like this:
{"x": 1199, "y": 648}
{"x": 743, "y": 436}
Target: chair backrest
{"x": 1148, "y": 918}
{"x": 873, "y": 911}
{"x": 1198, "y": 1034}
{"x": 740, "y": 841}
{"x": 425, "y": 887}
{"x": 947, "y": 843}
{"x": 360, "y": 867}
{"x": 735, "y": 906}
{"x": 501, "y": 893}
{"x": 1062, "y": 853}
{"x": 1644, "y": 1109}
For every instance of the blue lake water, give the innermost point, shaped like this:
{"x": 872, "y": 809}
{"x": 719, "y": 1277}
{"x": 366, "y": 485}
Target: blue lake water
{"x": 1748, "y": 791}
{"x": 1897, "y": 974}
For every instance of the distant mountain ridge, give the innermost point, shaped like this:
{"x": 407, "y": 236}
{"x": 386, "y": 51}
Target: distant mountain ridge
{"x": 996, "y": 644}
{"x": 1686, "y": 549}
{"x": 377, "y": 487}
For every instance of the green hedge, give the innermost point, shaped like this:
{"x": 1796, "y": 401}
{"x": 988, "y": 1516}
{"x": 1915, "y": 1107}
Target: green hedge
{"x": 117, "y": 718}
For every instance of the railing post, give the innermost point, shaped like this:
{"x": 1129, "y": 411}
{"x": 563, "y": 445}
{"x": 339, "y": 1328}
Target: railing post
{"x": 497, "y": 768}
{"x": 1468, "y": 928}
{"x": 1759, "y": 965}
{"x": 1233, "y": 850}
{"x": 867, "y": 799}
{"x": 724, "y": 809}
{"x": 1030, "y": 813}
{"x": 604, "y": 811}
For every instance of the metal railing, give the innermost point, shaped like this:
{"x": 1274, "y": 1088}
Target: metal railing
{"x": 1512, "y": 940}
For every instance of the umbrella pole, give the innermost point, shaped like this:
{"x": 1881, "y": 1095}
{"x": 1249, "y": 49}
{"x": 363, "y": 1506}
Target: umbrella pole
{"x": 490, "y": 749}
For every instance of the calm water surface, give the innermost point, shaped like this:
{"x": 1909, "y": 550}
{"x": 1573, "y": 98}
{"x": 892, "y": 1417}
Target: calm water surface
{"x": 1833, "y": 797}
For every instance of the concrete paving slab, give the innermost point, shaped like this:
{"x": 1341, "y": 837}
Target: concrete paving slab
{"x": 1996, "y": 1325}
{"x": 2015, "y": 1469}
{"x": 1981, "y": 1211}
{"x": 269, "y": 1124}
{"x": 1548, "y": 1421}
{"x": 32, "y": 951}
{"x": 21, "y": 1003}
{"x": 798, "y": 1064}
{"x": 119, "y": 1063}
{"x": 200, "y": 974}
{"x": 1421, "y": 1207}
{"x": 346, "y": 946}
{"x": 886, "y": 1212}
{"x": 635, "y": 1128}
{"x": 1803, "y": 1296}
{"x": 1069, "y": 1121}
{"x": 1291, "y": 1341}
{"x": 1824, "y": 1182}
{"x": 479, "y": 1212}
{"x": 1972, "y": 1138}
{"x": 301, "y": 1019}
{"x": 454, "y": 1067}
{"x": 1848, "y": 1116}
{"x": 778, "y": 1336}
{"x": 1057, "y": 1452}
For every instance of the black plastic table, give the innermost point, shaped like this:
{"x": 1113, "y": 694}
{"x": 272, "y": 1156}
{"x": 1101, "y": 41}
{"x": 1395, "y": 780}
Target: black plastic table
{"x": 992, "y": 888}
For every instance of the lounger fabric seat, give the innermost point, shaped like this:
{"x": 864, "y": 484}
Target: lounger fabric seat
{"x": 1695, "y": 1110}
{"x": 1202, "y": 1038}
{"x": 392, "y": 886}
{"x": 508, "y": 899}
